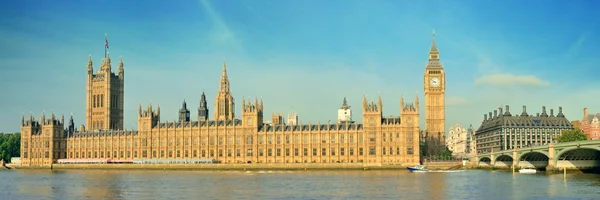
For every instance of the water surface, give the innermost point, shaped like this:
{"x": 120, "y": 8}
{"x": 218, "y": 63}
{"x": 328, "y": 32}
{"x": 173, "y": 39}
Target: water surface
{"x": 97, "y": 184}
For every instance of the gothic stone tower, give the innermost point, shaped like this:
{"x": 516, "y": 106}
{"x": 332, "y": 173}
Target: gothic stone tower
{"x": 203, "y": 109}
{"x": 104, "y": 96}
{"x": 224, "y": 106}
{"x": 434, "y": 87}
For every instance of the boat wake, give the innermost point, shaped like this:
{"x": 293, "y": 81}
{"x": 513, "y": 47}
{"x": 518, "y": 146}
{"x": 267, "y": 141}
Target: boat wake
{"x": 443, "y": 171}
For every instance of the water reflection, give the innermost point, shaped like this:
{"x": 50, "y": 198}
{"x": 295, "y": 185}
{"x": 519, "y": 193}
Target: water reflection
{"x": 29, "y": 184}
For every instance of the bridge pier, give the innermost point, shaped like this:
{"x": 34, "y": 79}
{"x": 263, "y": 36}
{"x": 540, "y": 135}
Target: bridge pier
{"x": 515, "y": 158}
{"x": 493, "y": 158}
{"x": 551, "y": 157}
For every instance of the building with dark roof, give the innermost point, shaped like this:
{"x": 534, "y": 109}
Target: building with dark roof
{"x": 504, "y": 131}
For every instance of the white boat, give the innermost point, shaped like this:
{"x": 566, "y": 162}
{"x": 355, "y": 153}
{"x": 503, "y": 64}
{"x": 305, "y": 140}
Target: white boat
{"x": 528, "y": 170}
{"x": 417, "y": 168}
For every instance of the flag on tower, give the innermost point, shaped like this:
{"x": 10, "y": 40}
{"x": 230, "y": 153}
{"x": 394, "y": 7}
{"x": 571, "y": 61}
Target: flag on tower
{"x": 105, "y": 44}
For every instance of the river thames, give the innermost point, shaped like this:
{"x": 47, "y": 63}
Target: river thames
{"x": 475, "y": 184}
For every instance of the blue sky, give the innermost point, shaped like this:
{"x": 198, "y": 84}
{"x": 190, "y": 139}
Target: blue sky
{"x": 302, "y": 56}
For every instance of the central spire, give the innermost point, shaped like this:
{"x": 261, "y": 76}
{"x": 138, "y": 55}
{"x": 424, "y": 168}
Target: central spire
{"x": 433, "y": 52}
{"x": 224, "y": 106}
{"x": 224, "y": 79}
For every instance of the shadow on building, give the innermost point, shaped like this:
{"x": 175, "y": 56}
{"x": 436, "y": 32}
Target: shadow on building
{"x": 431, "y": 145}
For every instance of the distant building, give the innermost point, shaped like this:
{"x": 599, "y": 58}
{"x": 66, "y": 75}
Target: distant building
{"x": 590, "y": 125}
{"x": 503, "y": 131}
{"x": 345, "y": 113}
{"x": 292, "y": 119}
{"x": 456, "y": 140}
{"x": 277, "y": 119}
{"x": 471, "y": 140}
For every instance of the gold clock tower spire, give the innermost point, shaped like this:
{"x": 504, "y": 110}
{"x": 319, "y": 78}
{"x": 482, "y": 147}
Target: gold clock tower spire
{"x": 434, "y": 89}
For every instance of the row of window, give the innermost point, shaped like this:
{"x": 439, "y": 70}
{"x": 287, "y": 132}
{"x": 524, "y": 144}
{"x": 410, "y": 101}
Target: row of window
{"x": 249, "y": 140}
{"x": 386, "y": 151}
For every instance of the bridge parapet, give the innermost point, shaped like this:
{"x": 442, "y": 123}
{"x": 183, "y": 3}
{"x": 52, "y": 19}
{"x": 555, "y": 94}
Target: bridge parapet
{"x": 550, "y": 154}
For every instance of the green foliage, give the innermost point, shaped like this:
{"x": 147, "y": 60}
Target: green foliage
{"x": 445, "y": 155}
{"x": 10, "y": 146}
{"x": 571, "y": 136}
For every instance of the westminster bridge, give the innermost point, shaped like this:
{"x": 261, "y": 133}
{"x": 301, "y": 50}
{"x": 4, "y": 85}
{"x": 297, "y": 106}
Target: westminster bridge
{"x": 570, "y": 155}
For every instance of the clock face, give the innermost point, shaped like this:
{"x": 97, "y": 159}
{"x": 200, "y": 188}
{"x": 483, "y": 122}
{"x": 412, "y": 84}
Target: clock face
{"x": 435, "y": 82}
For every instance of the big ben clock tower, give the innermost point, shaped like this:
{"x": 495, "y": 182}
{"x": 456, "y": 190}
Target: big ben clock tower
{"x": 434, "y": 88}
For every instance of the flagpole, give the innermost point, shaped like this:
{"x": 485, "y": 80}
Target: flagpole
{"x": 105, "y": 45}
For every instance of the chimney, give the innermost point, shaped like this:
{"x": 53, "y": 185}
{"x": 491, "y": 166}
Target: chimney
{"x": 585, "y": 112}
{"x": 495, "y": 113}
{"x": 490, "y": 114}
{"x": 538, "y": 114}
{"x": 524, "y": 113}
{"x": 551, "y": 112}
{"x": 484, "y": 117}
{"x": 544, "y": 109}
{"x": 500, "y": 111}
{"x": 560, "y": 114}
{"x": 507, "y": 109}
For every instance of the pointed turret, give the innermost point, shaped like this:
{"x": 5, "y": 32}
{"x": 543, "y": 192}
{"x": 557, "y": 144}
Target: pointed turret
{"x": 184, "y": 113}
{"x": 90, "y": 67}
{"x": 71, "y": 126}
{"x": 401, "y": 102}
{"x": 22, "y": 119}
{"x": 365, "y": 103}
{"x": 224, "y": 85}
{"x": 345, "y": 104}
{"x": 417, "y": 101}
{"x": 106, "y": 64}
{"x": 121, "y": 70}
{"x": 379, "y": 102}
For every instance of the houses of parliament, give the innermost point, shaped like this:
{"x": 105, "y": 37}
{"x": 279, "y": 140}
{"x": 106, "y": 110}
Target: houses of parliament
{"x": 229, "y": 137}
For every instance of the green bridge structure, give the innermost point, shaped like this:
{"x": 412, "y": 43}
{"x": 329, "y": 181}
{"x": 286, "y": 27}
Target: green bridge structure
{"x": 570, "y": 155}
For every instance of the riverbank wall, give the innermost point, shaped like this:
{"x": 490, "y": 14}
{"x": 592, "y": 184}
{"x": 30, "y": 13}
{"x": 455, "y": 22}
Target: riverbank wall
{"x": 217, "y": 167}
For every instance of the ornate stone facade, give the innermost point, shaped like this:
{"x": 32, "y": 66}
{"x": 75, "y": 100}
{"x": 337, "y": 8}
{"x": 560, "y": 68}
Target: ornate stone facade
{"x": 377, "y": 140}
{"x": 457, "y": 140}
{"x": 435, "y": 88}
{"x": 105, "y": 96}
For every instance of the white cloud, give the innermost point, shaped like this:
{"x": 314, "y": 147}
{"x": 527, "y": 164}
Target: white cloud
{"x": 455, "y": 101}
{"x": 511, "y": 80}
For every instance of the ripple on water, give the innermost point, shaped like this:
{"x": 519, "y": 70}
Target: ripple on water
{"x": 269, "y": 184}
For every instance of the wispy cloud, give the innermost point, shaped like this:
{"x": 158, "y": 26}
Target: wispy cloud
{"x": 573, "y": 50}
{"x": 511, "y": 80}
{"x": 221, "y": 32}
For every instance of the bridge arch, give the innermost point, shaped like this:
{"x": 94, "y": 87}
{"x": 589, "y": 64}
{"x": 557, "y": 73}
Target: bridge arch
{"x": 533, "y": 156}
{"x": 579, "y": 154}
{"x": 485, "y": 159}
{"x": 503, "y": 160}
{"x": 537, "y": 159}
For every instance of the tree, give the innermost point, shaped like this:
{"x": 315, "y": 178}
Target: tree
{"x": 571, "y": 136}
{"x": 445, "y": 155}
{"x": 10, "y": 146}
